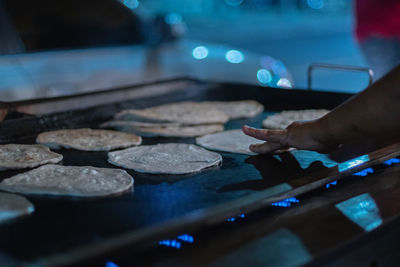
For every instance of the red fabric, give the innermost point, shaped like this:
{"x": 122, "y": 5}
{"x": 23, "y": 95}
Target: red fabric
{"x": 377, "y": 17}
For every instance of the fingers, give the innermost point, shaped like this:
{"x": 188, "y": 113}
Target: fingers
{"x": 264, "y": 134}
{"x": 267, "y": 147}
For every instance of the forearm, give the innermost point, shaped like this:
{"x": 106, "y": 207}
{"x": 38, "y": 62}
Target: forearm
{"x": 373, "y": 113}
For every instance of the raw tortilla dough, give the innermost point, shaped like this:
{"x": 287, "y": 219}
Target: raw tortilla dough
{"x": 165, "y": 158}
{"x": 14, "y": 206}
{"x": 189, "y": 113}
{"x": 88, "y": 139}
{"x": 164, "y": 129}
{"x": 234, "y": 141}
{"x": 69, "y": 181}
{"x": 17, "y": 156}
{"x": 285, "y": 118}
{"x": 236, "y": 109}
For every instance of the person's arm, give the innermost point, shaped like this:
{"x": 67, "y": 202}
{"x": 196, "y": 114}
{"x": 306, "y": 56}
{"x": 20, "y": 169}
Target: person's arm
{"x": 372, "y": 114}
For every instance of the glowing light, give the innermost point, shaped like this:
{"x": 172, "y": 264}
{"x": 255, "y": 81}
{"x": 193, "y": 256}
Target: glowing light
{"x": 284, "y": 83}
{"x": 315, "y": 4}
{"x": 364, "y": 172}
{"x": 392, "y": 161}
{"x": 264, "y": 76}
{"x": 331, "y": 184}
{"x": 170, "y": 243}
{"x": 233, "y": 2}
{"x": 200, "y": 52}
{"x": 111, "y": 264}
{"x": 186, "y": 238}
{"x": 361, "y": 210}
{"x": 353, "y": 163}
{"x": 232, "y": 219}
{"x": 234, "y": 56}
{"x": 173, "y": 18}
{"x": 132, "y": 4}
{"x": 286, "y": 202}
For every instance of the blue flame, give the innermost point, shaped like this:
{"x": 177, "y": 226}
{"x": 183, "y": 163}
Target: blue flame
{"x": 186, "y": 238}
{"x": 232, "y": 219}
{"x": 364, "y": 172}
{"x": 331, "y": 184}
{"x": 200, "y": 52}
{"x": 170, "y": 243}
{"x": 392, "y": 161}
{"x": 111, "y": 264}
{"x": 286, "y": 202}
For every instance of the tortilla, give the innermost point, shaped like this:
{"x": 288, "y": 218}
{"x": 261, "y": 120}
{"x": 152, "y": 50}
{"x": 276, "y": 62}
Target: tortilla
{"x": 165, "y": 158}
{"x": 236, "y": 109}
{"x": 188, "y": 113}
{"x": 16, "y": 156}
{"x": 285, "y": 118}
{"x": 14, "y": 206}
{"x": 163, "y": 129}
{"x": 233, "y": 141}
{"x": 88, "y": 139}
{"x": 69, "y": 181}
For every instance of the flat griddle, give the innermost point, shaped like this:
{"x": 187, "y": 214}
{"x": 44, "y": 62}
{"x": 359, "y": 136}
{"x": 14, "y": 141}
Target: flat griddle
{"x": 71, "y": 230}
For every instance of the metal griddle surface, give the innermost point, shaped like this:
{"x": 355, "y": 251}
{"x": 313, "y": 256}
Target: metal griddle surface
{"x": 59, "y": 224}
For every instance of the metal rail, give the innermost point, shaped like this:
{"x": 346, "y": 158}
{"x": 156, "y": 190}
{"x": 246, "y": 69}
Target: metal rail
{"x": 337, "y": 67}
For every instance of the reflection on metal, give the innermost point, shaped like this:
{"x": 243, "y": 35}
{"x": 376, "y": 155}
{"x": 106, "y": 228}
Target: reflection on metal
{"x": 200, "y": 52}
{"x": 232, "y": 219}
{"x": 284, "y": 83}
{"x": 306, "y": 158}
{"x": 364, "y": 172}
{"x": 331, "y": 184}
{"x": 111, "y": 264}
{"x": 286, "y": 202}
{"x": 173, "y": 18}
{"x": 233, "y": 2}
{"x": 132, "y": 4}
{"x": 362, "y": 210}
{"x": 315, "y": 4}
{"x": 234, "y": 56}
{"x": 279, "y": 248}
{"x": 186, "y": 238}
{"x": 264, "y": 76}
{"x": 392, "y": 161}
{"x": 353, "y": 163}
{"x": 170, "y": 243}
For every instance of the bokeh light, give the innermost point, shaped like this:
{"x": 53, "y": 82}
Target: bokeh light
{"x": 284, "y": 83}
{"x": 200, "y": 52}
{"x": 132, "y": 4}
{"x": 173, "y": 18}
{"x": 234, "y": 56}
{"x": 264, "y": 76}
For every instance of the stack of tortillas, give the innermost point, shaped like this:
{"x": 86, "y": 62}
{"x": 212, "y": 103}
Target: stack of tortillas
{"x": 283, "y": 119}
{"x": 183, "y": 119}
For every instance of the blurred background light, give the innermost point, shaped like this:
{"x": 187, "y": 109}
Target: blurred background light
{"x": 264, "y": 76}
{"x": 173, "y": 18}
{"x": 132, "y": 4}
{"x": 233, "y": 2}
{"x": 234, "y": 56}
{"x": 284, "y": 83}
{"x": 315, "y": 4}
{"x": 200, "y": 52}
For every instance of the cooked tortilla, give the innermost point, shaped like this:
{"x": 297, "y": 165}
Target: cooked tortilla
{"x": 69, "y": 181}
{"x": 233, "y": 141}
{"x": 236, "y": 109}
{"x": 16, "y": 156}
{"x": 163, "y": 129}
{"x": 165, "y": 158}
{"x": 14, "y": 206}
{"x": 88, "y": 139}
{"x": 285, "y": 118}
{"x": 189, "y": 113}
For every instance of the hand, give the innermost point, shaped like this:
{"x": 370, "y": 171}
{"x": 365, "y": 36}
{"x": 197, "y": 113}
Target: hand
{"x": 301, "y": 135}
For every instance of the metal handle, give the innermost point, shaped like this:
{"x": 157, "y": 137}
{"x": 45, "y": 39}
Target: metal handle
{"x": 337, "y": 67}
